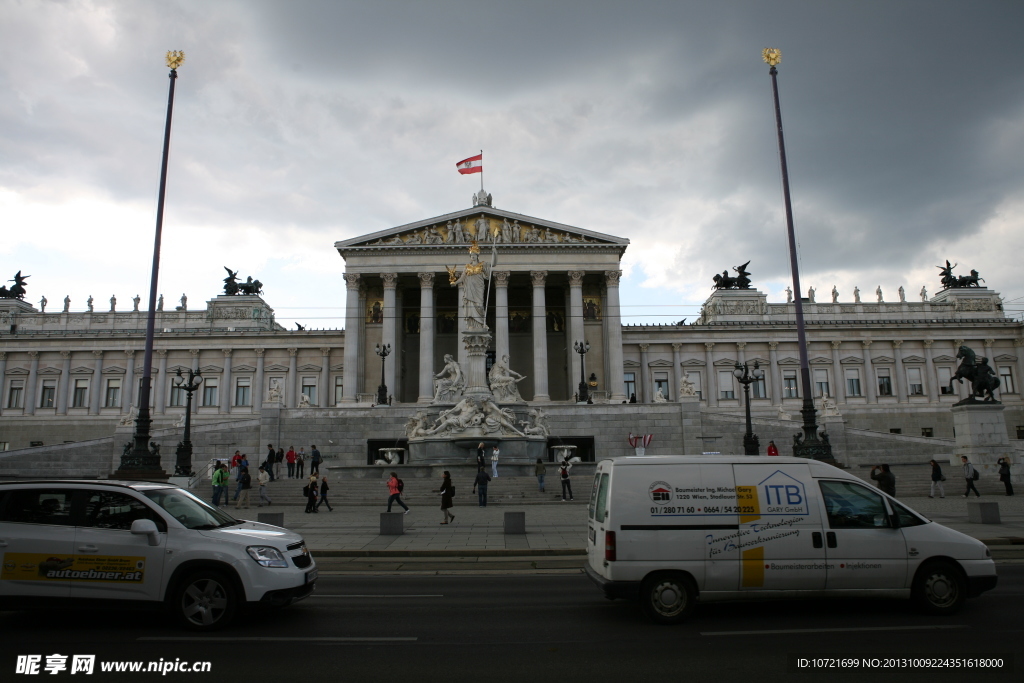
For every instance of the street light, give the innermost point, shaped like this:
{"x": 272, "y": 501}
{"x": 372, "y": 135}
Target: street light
{"x": 743, "y": 375}
{"x": 582, "y": 348}
{"x": 806, "y": 445}
{"x": 382, "y": 390}
{"x": 183, "y": 454}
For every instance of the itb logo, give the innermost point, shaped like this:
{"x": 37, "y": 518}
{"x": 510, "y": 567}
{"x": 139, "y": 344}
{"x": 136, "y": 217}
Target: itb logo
{"x": 660, "y": 492}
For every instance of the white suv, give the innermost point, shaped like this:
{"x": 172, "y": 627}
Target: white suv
{"x": 69, "y": 541}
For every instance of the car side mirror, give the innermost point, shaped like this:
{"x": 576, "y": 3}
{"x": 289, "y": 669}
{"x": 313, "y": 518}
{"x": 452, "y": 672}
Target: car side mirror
{"x": 881, "y": 520}
{"x": 147, "y": 527}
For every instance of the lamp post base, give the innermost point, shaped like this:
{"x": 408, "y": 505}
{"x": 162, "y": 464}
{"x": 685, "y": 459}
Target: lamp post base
{"x": 751, "y": 444}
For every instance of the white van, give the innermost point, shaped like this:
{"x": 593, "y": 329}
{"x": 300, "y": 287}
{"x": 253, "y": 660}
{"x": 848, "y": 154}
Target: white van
{"x": 673, "y": 530}
{"x": 149, "y": 544}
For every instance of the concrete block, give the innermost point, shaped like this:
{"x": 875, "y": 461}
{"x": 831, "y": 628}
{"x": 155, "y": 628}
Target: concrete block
{"x": 275, "y": 518}
{"x": 515, "y": 522}
{"x": 982, "y": 512}
{"x": 391, "y": 523}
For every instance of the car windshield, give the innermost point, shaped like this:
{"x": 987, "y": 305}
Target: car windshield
{"x": 192, "y": 512}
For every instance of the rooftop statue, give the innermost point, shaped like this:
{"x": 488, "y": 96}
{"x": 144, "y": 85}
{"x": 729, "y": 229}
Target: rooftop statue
{"x": 18, "y": 290}
{"x": 741, "y": 281}
{"x": 232, "y": 286}
{"x": 950, "y": 281}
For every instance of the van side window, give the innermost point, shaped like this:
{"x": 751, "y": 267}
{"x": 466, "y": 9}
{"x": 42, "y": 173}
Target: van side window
{"x": 602, "y": 500}
{"x": 906, "y": 517}
{"x": 852, "y": 506}
{"x": 112, "y": 510}
{"x": 38, "y": 506}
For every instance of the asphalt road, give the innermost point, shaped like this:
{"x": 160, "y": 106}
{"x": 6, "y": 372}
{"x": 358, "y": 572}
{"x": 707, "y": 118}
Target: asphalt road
{"x": 529, "y": 628}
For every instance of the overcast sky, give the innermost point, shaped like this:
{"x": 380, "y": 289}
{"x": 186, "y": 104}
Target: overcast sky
{"x": 300, "y": 123}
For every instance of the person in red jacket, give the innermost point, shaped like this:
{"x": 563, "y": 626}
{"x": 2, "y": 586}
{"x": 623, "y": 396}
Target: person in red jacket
{"x": 290, "y": 460}
{"x": 772, "y": 450}
{"x": 395, "y": 489}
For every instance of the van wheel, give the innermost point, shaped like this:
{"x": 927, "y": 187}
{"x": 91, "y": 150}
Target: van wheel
{"x": 939, "y": 588}
{"x": 668, "y": 598}
{"x": 204, "y": 601}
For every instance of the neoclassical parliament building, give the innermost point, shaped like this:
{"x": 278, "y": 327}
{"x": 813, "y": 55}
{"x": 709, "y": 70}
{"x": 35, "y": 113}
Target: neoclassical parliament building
{"x": 71, "y": 379}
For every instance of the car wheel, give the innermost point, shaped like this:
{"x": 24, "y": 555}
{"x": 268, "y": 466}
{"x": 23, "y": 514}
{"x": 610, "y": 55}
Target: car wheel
{"x": 205, "y": 601}
{"x": 939, "y": 588}
{"x": 668, "y": 598}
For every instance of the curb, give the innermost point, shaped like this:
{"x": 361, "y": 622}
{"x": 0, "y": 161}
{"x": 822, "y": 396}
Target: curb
{"x": 510, "y": 552}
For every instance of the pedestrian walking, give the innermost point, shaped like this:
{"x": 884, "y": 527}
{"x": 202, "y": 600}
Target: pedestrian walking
{"x": 220, "y": 483}
{"x": 245, "y": 483}
{"x": 268, "y": 463}
{"x": 447, "y": 492}
{"x": 311, "y": 491}
{"x": 772, "y": 448}
{"x": 290, "y": 459}
{"x": 481, "y": 457}
{"x": 243, "y": 466}
{"x": 262, "y": 478}
{"x": 971, "y": 475}
{"x": 314, "y": 461}
{"x": 540, "y": 470}
{"x": 236, "y": 460}
{"x": 937, "y": 479}
{"x": 886, "y": 479}
{"x": 480, "y": 483}
{"x": 278, "y": 463}
{"x": 1004, "y": 475}
{"x": 324, "y": 488}
{"x": 563, "y": 476}
{"x": 300, "y": 463}
{"x": 395, "y": 488}
{"x": 494, "y": 461}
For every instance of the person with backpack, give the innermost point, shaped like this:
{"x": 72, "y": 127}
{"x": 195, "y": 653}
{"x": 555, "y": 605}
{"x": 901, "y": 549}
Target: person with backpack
{"x": 278, "y": 460}
{"x": 563, "y": 475}
{"x": 300, "y": 463}
{"x": 262, "y": 478}
{"x": 244, "y": 484}
{"x": 937, "y": 480}
{"x": 310, "y": 490}
{"x": 1004, "y": 475}
{"x": 447, "y": 492}
{"x": 243, "y": 465}
{"x": 971, "y": 475}
{"x": 395, "y": 488}
{"x": 540, "y": 470}
{"x": 314, "y": 461}
{"x": 481, "y": 482}
{"x": 220, "y": 484}
{"x": 290, "y": 458}
{"x": 324, "y": 488}
{"x": 268, "y": 464}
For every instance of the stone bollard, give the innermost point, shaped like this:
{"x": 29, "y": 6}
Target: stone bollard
{"x": 515, "y": 522}
{"x": 275, "y": 518}
{"x": 983, "y": 512}
{"x": 391, "y": 523}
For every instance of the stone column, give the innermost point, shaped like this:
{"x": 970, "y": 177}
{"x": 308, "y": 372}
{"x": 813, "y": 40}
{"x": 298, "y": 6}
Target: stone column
{"x": 63, "y": 383}
{"x": 258, "y": 390}
{"x": 291, "y": 391}
{"x": 576, "y": 331}
{"x": 540, "y": 337}
{"x": 352, "y": 341}
{"x": 837, "y": 374}
{"x": 96, "y": 385}
{"x": 427, "y": 319}
{"x": 460, "y": 328}
{"x": 677, "y": 362}
{"x": 501, "y": 313}
{"x": 646, "y": 393}
{"x": 613, "y": 321}
{"x": 160, "y": 390}
{"x": 197, "y": 397}
{"x": 712, "y": 383}
{"x": 129, "y": 381}
{"x": 901, "y": 377}
{"x": 1018, "y": 344}
{"x": 30, "y": 384}
{"x": 388, "y": 331}
{"x": 225, "y": 394}
{"x": 870, "y": 383}
{"x": 931, "y": 381}
{"x": 325, "y": 376}
{"x": 776, "y": 376}
{"x": 3, "y": 370}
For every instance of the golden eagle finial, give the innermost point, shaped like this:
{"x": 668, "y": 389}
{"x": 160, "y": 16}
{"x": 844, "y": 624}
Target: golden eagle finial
{"x": 175, "y": 58}
{"x": 772, "y": 56}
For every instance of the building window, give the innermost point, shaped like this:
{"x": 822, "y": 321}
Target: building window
{"x": 725, "y": 385}
{"x": 895, "y": 430}
{"x": 630, "y": 379}
{"x": 210, "y": 387}
{"x": 789, "y": 385}
{"x": 243, "y": 393}
{"x": 81, "y": 395}
{"x": 661, "y": 382}
{"x": 113, "y": 394}
{"x": 884, "y": 382}
{"x": 339, "y": 390}
{"x": 758, "y": 389}
{"x": 927, "y": 431}
{"x": 1006, "y": 380}
{"x": 177, "y": 397}
{"x": 16, "y": 394}
{"x": 821, "y": 383}
{"x": 852, "y": 382}
{"x": 309, "y": 389}
{"x": 945, "y": 376}
{"x": 1020, "y": 431}
{"x": 914, "y": 383}
{"x": 5, "y": 446}
{"x": 48, "y": 393}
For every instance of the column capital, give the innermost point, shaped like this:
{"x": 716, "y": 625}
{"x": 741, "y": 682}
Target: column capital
{"x": 326, "y": 350}
{"x": 677, "y": 346}
{"x": 390, "y": 280}
{"x": 352, "y": 280}
{"x": 194, "y": 352}
{"x": 33, "y": 354}
{"x": 612, "y": 277}
{"x": 501, "y": 277}
{"x": 98, "y": 354}
{"x": 644, "y": 347}
{"x": 709, "y": 345}
{"x": 160, "y": 352}
{"x": 227, "y": 352}
{"x": 957, "y": 343}
{"x": 1018, "y": 342}
{"x": 867, "y": 343}
{"x": 65, "y": 354}
{"x": 538, "y": 277}
{"x": 576, "y": 278}
{"x": 897, "y": 343}
{"x": 990, "y": 342}
{"x": 293, "y": 352}
{"x": 836, "y": 343}
{"x": 773, "y": 345}
{"x": 928, "y": 343}
{"x": 259, "y": 351}
{"x": 426, "y": 280}
{"x": 130, "y": 353}
{"x": 741, "y": 345}
{"x": 3, "y": 355}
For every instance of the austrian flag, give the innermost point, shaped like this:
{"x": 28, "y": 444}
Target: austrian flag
{"x": 471, "y": 165}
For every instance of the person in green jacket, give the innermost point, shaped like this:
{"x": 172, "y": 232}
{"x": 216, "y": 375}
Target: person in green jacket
{"x": 220, "y": 483}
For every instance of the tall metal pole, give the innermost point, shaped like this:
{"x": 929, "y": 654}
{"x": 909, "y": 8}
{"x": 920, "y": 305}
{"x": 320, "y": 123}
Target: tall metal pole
{"x": 141, "y": 461}
{"x": 807, "y": 446}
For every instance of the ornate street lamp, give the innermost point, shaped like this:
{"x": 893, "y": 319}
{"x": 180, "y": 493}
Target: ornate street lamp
{"x": 582, "y": 348}
{"x": 139, "y": 461}
{"x": 806, "y": 445}
{"x": 183, "y": 454}
{"x": 743, "y": 375}
{"x": 382, "y": 390}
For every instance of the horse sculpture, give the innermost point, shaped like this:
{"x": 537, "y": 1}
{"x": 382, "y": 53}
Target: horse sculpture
{"x": 978, "y": 372}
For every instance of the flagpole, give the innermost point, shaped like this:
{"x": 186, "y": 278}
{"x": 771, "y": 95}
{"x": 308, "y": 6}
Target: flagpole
{"x": 482, "y": 179}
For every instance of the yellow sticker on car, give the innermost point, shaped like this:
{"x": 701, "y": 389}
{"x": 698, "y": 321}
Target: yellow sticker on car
{"x": 44, "y": 567}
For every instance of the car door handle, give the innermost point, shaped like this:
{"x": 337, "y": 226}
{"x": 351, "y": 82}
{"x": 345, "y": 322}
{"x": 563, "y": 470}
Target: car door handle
{"x": 830, "y": 538}
{"x": 87, "y": 548}
{"x": 816, "y": 539}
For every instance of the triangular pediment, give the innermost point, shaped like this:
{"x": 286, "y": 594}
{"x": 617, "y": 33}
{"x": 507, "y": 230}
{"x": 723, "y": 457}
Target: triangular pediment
{"x": 660, "y": 363}
{"x": 758, "y": 360}
{"x": 276, "y": 368}
{"x": 692, "y": 361}
{"x": 81, "y": 370}
{"x": 17, "y": 371}
{"x": 913, "y": 359}
{"x": 630, "y": 363}
{"x": 56, "y": 371}
{"x": 789, "y": 361}
{"x": 243, "y": 368}
{"x": 852, "y": 360}
{"x": 820, "y": 360}
{"x": 174, "y": 369}
{"x": 113, "y": 370}
{"x": 459, "y": 228}
{"x": 882, "y": 359}
{"x": 725, "y": 361}
{"x": 338, "y": 367}
{"x": 309, "y": 368}
{"x": 944, "y": 359}
{"x": 211, "y": 369}
{"x": 1005, "y": 358}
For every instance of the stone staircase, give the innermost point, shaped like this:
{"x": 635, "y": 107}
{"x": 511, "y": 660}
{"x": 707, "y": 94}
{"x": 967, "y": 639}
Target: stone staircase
{"x": 915, "y": 480}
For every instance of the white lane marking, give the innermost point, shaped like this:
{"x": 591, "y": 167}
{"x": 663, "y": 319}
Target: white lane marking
{"x": 273, "y": 639}
{"x": 832, "y": 630}
{"x": 356, "y": 595}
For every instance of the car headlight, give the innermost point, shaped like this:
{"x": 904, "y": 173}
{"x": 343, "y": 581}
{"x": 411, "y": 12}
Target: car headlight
{"x": 267, "y": 556}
